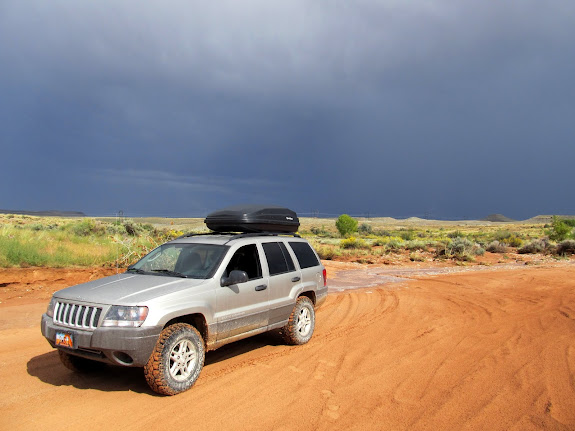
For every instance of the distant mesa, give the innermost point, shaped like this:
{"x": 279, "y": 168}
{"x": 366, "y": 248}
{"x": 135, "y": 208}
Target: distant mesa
{"x": 499, "y": 218}
{"x": 547, "y": 218}
{"x": 51, "y": 213}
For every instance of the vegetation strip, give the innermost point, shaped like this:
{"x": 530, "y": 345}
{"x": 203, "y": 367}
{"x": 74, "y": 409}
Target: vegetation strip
{"x": 63, "y": 242}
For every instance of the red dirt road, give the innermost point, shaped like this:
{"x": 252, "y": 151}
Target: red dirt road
{"x": 485, "y": 350}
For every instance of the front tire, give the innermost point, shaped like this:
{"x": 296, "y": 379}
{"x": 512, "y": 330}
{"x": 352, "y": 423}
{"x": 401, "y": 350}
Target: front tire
{"x": 301, "y": 323}
{"x": 176, "y": 361}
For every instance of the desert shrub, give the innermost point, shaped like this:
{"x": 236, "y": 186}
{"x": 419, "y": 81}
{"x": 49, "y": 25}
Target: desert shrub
{"x": 40, "y": 227}
{"x": 395, "y": 244}
{"x": 416, "y": 245}
{"x": 569, "y": 221}
{"x": 508, "y": 238}
{"x": 319, "y": 231}
{"x": 346, "y": 225}
{"x": 460, "y": 249}
{"x": 353, "y": 243}
{"x": 407, "y": 235}
{"x": 326, "y": 252}
{"x": 416, "y": 257}
{"x": 513, "y": 241}
{"x": 496, "y": 247}
{"x": 382, "y": 232}
{"x": 559, "y": 230}
{"x": 87, "y": 227}
{"x": 390, "y": 243}
{"x": 566, "y": 247}
{"x": 133, "y": 229}
{"x": 365, "y": 229}
{"x": 535, "y": 246}
{"x": 455, "y": 234}
{"x": 115, "y": 228}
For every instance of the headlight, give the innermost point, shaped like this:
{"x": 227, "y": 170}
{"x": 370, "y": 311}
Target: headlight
{"x": 51, "y": 305}
{"x": 119, "y": 315}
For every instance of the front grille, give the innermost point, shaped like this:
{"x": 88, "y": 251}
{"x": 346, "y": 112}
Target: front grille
{"x": 76, "y": 315}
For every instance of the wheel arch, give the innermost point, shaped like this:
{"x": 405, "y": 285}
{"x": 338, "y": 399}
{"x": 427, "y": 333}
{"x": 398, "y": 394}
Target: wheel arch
{"x": 197, "y": 320}
{"x": 309, "y": 294}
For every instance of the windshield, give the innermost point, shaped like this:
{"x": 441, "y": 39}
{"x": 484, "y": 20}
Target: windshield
{"x": 181, "y": 260}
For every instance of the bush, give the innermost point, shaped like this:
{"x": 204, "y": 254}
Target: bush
{"x": 87, "y": 227}
{"x": 566, "y": 247}
{"x": 416, "y": 257}
{"x": 460, "y": 249}
{"x": 416, "y": 245}
{"x": 346, "y": 225}
{"x": 496, "y": 247}
{"x": 407, "y": 235}
{"x": 319, "y": 231}
{"x": 455, "y": 234}
{"x": 509, "y": 238}
{"x": 560, "y": 230}
{"x": 326, "y": 252}
{"x": 354, "y": 243}
{"x": 535, "y": 246}
{"x": 365, "y": 229}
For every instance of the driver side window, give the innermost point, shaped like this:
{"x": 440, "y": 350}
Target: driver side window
{"x": 246, "y": 259}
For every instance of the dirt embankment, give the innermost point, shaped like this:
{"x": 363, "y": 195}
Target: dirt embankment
{"x": 490, "y": 349}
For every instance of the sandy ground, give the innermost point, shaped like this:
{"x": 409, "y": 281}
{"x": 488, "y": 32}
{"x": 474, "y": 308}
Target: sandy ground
{"x": 488, "y": 349}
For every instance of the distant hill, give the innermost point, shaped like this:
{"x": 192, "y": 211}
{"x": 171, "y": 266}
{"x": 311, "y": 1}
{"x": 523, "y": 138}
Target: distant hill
{"x": 546, "y": 218}
{"x": 51, "y": 213}
{"x": 499, "y": 218}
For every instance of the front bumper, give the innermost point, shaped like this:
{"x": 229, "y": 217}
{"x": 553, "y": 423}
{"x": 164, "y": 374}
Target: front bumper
{"x": 130, "y": 347}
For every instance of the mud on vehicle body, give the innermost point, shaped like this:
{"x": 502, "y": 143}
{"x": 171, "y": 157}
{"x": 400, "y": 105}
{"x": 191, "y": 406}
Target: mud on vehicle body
{"x": 192, "y": 295}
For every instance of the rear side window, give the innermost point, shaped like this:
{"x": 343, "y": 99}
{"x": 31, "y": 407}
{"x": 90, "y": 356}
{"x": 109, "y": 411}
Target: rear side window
{"x": 305, "y": 254}
{"x": 278, "y": 258}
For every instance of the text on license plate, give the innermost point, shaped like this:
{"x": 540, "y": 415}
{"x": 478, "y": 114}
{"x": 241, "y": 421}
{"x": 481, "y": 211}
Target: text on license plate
{"x": 64, "y": 339}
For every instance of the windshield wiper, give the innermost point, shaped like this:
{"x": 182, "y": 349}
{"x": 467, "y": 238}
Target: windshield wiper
{"x": 170, "y": 273}
{"x": 136, "y": 270}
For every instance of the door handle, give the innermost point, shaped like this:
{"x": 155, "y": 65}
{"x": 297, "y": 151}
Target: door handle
{"x": 295, "y": 279}
{"x": 261, "y": 287}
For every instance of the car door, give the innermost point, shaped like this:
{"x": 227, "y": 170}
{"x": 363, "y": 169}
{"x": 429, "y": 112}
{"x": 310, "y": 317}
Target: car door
{"x": 243, "y": 307}
{"x": 283, "y": 278}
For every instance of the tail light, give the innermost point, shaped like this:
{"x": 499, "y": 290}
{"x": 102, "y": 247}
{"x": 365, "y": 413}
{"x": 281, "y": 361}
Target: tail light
{"x": 324, "y": 277}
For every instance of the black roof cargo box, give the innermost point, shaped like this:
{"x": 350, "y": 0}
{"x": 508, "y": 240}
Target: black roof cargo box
{"x": 253, "y": 218}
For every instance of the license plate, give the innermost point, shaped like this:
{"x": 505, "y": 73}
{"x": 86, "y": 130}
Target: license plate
{"x": 64, "y": 339}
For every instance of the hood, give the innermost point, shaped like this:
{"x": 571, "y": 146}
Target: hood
{"x": 126, "y": 289}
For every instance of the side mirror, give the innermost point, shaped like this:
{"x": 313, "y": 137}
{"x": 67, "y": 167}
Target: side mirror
{"x": 235, "y": 277}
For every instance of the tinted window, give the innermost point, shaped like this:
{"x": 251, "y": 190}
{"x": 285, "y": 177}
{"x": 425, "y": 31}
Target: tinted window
{"x": 278, "y": 258}
{"x": 246, "y": 259}
{"x": 305, "y": 255}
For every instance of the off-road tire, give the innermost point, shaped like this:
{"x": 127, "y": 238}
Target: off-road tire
{"x": 301, "y": 323}
{"x": 78, "y": 364}
{"x": 176, "y": 361}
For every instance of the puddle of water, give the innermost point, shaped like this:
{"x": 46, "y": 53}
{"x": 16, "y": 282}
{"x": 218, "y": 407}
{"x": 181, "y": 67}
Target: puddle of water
{"x": 371, "y": 277}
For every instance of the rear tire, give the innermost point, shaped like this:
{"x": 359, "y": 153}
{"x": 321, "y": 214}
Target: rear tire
{"x": 301, "y": 323}
{"x": 176, "y": 361}
{"x": 78, "y": 364}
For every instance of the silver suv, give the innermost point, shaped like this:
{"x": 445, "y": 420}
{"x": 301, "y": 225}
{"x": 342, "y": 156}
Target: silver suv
{"x": 186, "y": 297}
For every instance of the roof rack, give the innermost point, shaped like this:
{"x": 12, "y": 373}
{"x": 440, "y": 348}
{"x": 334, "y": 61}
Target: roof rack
{"x": 237, "y": 235}
{"x": 189, "y": 234}
{"x": 250, "y": 234}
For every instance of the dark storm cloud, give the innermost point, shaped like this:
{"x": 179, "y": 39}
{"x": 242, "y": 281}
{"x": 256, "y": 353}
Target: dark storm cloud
{"x": 397, "y": 108}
